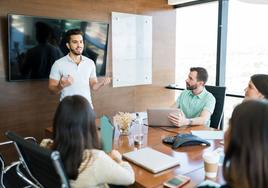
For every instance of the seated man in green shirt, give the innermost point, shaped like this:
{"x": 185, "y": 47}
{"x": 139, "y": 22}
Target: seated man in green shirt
{"x": 196, "y": 104}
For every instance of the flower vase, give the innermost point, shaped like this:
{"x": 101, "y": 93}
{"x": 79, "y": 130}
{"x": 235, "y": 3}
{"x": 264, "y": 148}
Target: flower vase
{"x": 124, "y": 129}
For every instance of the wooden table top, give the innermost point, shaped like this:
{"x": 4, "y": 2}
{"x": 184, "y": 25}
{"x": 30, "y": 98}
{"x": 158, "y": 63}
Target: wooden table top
{"x": 191, "y": 162}
{"x": 190, "y": 156}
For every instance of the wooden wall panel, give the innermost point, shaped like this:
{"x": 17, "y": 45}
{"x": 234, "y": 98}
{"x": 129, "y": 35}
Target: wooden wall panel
{"x": 27, "y": 107}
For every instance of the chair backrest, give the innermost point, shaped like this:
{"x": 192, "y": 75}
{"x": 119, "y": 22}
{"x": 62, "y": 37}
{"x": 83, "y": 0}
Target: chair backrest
{"x": 219, "y": 93}
{"x": 42, "y": 164}
{"x": 13, "y": 175}
{"x": 2, "y": 166}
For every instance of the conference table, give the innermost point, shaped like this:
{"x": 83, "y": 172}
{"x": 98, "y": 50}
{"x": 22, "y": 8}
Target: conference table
{"x": 191, "y": 162}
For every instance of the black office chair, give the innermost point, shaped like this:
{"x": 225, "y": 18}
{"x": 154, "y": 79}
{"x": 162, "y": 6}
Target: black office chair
{"x": 13, "y": 175}
{"x": 44, "y": 165}
{"x": 216, "y": 118}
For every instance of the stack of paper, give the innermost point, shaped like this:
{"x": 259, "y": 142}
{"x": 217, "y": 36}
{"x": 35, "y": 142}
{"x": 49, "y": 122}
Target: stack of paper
{"x": 209, "y": 135}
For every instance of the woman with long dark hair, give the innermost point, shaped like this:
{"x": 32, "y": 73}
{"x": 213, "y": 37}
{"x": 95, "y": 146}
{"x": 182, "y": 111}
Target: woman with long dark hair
{"x": 75, "y": 137}
{"x": 246, "y": 150}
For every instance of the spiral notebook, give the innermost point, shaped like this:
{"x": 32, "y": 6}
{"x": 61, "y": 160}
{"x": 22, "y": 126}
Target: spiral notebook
{"x": 151, "y": 159}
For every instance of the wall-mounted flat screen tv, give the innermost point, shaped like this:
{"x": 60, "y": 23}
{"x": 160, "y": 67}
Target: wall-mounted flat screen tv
{"x": 34, "y": 43}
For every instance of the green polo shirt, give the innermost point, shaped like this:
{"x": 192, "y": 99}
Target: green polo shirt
{"x": 192, "y": 105}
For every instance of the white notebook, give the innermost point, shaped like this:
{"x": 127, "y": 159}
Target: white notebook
{"x": 150, "y": 159}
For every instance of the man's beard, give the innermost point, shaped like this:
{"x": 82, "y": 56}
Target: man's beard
{"x": 191, "y": 87}
{"x": 76, "y": 52}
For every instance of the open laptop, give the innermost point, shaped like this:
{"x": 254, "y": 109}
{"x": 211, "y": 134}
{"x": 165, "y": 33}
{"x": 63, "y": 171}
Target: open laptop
{"x": 150, "y": 159}
{"x": 159, "y": 116}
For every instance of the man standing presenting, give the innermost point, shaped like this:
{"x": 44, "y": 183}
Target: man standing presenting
{"x": 74, "y": 73}
{"x": 196, "y": 103}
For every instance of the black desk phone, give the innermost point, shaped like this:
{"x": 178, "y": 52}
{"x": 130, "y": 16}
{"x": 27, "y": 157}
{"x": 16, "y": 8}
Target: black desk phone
{"x": 181, "y": 140}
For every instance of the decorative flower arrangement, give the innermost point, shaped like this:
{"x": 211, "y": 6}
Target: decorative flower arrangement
{"x": 123, "y": 120}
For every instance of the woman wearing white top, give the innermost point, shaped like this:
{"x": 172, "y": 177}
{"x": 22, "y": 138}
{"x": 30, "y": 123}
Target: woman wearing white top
{"x": 75, "y": 137}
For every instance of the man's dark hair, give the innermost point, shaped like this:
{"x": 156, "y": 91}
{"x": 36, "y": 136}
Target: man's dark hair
{"x": 202, "y": 74}
{"x": 71, "y": 32}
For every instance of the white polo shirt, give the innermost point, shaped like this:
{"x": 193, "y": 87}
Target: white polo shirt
{"x": 81, "y": 73}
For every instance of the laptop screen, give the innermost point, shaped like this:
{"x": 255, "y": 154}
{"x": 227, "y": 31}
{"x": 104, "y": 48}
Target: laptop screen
{"x": 159, "y": 116}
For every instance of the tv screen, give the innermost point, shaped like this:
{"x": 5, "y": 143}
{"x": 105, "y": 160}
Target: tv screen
{"x": 35, "y": 43}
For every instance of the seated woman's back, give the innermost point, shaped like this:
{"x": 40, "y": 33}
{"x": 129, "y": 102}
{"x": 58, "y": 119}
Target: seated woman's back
{"x": 98, "y": 168}
{"x": 75, "y": 137}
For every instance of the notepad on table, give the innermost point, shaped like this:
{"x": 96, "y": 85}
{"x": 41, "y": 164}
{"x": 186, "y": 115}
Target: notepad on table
{"x": 209, "y": 135}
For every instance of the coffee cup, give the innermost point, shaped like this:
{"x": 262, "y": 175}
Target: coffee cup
{"x": 211, "y": 160}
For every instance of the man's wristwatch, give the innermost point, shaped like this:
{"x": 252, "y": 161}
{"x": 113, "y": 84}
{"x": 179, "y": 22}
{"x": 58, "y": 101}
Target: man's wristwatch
{"x": 190, "y": 121}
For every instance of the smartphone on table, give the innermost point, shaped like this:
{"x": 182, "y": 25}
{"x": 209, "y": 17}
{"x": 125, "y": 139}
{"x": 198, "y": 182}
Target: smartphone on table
{"x": 177, "y": 181}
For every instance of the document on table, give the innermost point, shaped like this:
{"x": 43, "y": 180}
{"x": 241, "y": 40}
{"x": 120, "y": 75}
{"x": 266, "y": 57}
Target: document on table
{"x": 209, "y": 135}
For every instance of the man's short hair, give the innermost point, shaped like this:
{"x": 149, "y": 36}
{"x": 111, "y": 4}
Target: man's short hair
{"x": 202, "y": 74}
{"x": 71, "y": 32}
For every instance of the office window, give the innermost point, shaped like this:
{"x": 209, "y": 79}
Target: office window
{"x": 247, "y": 44}
{"x": 196, "y": 40}
{"x": 229, "y": 105}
